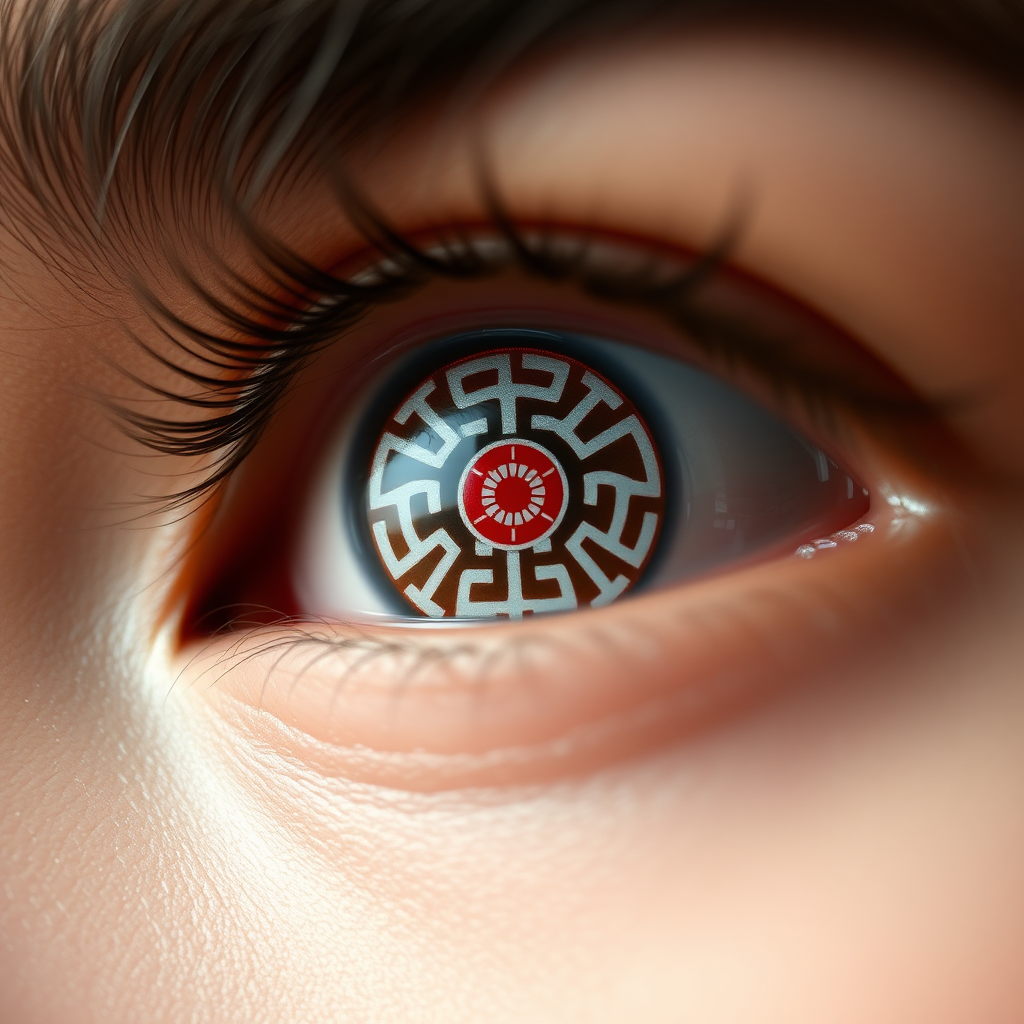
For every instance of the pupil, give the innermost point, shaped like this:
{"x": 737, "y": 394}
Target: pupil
{"x": 513, "y": 495}
{"x": 504, "y": 490}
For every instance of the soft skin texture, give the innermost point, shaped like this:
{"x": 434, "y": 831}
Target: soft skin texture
{"x": 845, "y": 848}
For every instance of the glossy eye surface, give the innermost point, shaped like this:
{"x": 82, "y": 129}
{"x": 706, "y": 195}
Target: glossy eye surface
{"x": 505, "y": 473}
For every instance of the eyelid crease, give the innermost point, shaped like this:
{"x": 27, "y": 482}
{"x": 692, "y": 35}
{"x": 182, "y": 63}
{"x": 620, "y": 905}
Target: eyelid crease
{"x": 272, "y": 331}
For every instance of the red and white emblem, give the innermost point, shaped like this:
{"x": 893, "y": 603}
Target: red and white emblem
{"x": 514, "y": 482}
{"x": 513, "y": 494}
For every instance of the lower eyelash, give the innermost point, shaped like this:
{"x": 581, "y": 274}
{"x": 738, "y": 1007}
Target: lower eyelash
{"x": 476, "y": 680}
{"x": 361, "y": 652}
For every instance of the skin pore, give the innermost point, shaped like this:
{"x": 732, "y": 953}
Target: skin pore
{"x": 820, "y": 818}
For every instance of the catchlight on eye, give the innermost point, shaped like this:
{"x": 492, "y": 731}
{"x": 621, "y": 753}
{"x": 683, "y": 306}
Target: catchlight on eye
{"x": 514, "y": 482}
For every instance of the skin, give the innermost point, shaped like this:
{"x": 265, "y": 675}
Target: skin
{"x": 803, "y": 806}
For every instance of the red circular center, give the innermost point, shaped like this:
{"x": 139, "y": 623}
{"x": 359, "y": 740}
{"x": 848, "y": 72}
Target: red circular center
{"x": 512, "y": 494}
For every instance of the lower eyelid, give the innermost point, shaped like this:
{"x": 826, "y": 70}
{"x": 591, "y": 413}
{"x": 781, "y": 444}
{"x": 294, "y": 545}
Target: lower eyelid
{"x": 492, "y": 706}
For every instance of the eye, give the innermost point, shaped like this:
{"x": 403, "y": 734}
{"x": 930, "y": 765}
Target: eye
{"x": 716, "y": 538}
{"x": 506, "y": 473}
{"x": 557, "y": 455}
{"x": 292, "y": 620}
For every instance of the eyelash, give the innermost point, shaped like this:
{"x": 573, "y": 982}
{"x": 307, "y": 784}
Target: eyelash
{"x": 271, "y": 331}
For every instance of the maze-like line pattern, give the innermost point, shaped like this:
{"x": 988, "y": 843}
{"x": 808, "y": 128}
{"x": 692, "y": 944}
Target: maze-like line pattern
{"x": 437, "y": 438}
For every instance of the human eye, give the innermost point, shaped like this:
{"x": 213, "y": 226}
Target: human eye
{"x": 623, "y": 469}
{"x": 310, "y": 571}
{"x": 300, "y": 592}
{"x": 279, "y": 616}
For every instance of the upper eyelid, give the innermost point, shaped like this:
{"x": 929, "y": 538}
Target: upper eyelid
{"x": 241, "y": 373}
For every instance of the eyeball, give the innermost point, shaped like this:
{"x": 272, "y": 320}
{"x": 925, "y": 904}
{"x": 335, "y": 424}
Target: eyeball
{"x": 506, "y": 473}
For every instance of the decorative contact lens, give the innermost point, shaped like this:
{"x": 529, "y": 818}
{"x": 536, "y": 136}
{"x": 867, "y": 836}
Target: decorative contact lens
{"x": 514, "y": 482}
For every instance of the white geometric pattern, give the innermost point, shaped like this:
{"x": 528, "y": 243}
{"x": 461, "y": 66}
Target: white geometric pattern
{"x": 436, "y": 439}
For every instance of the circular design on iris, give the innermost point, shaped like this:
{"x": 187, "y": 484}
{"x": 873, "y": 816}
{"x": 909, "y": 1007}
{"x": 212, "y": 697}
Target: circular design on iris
{"x": 513, "y": 494}
{"x": 513, "y": 482}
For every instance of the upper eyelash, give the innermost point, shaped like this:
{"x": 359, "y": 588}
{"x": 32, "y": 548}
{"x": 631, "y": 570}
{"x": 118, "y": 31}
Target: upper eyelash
{"x": 242, "y": 373}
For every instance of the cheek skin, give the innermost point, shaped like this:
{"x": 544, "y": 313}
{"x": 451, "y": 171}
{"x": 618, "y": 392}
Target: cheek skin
{"x": 786, "y": 869}
{"x": 850, "y": 852}
{"x": 96, "y": 836}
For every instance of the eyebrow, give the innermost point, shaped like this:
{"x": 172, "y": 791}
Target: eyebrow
{"x": 108, "y": 104}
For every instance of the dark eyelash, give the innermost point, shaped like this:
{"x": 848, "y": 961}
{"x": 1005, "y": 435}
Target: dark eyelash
{"x": 269, "y": 331}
